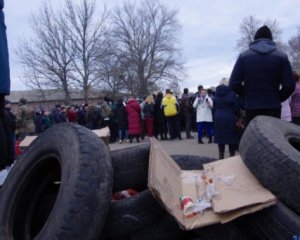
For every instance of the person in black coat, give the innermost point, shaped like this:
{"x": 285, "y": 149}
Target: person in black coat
{"x": 226, "y": 110}
{"x": 263, "y": 76}
{"x": 160, "y": 122}
{"x": 122, "y": 120}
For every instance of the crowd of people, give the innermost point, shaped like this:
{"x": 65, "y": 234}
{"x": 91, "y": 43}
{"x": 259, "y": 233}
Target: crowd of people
{"x": 262, "y": 83}
{"x": 212, "y": 114}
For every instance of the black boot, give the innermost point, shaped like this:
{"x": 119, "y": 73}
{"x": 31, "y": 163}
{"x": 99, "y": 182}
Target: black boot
{"x": 221, "y": 155}
{"x": 210, "y": 140}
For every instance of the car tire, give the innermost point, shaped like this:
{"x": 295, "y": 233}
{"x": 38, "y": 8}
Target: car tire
{"x": 274, "y": 223}
{"x": 270, "y": 148}
{"x": 75, "y": 160}
{"x": 132, "y": 214}
{"x": 130, "y": 168}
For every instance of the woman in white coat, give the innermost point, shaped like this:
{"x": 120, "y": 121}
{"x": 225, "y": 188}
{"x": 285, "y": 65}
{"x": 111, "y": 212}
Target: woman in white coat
{"x": 204, "y": 104}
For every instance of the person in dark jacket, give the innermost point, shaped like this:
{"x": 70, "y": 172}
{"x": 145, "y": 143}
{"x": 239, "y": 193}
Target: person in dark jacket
{"x": 5, "y": 143}
{"x": 263, "y": 76}
{"x": 11, "y": 123}
{"x": 187, "y": 112}
{"x": 122, "y": 120}
{"x": 160, "y": 122}
{"x": 226, "y": 109}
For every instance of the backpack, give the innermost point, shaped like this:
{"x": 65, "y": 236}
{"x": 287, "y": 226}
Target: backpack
{"x": 106, "y": 111}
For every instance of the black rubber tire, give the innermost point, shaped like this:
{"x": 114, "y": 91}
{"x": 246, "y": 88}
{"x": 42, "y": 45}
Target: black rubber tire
{"x": 191, "y": 162}
{"x": 130, "y": 167}
{"x": 227, "y": 231}
{"x": 132, "y": 214}
{"x": 275, "y": 223}
{"x": 165, "y": 229}
{"x": 270, "y": 148}
{"x": 79, "y": 162}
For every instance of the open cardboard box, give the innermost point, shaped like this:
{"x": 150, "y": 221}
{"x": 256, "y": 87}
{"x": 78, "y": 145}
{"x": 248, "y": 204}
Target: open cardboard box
{"x": 239, "y": 192}
{"x": 103, "y": 133}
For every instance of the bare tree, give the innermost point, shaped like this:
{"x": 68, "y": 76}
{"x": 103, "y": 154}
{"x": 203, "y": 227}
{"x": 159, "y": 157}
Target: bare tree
{"x": 146, "y": 36}
{"x": 293, "y": 49}
{"x": 248, "y": 28}
{"x": 47, "y": 56}
{"x": 87, "y": 33}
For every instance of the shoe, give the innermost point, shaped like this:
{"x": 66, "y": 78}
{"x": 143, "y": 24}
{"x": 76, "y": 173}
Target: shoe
{"x": 127, "y": 140}
{"x": 210, "y": 140}
{"x": 221, "y": 155}
{"x": 200, "y": 141}
{"x": 120, "y": 141}
{"x": 130, "y": 140}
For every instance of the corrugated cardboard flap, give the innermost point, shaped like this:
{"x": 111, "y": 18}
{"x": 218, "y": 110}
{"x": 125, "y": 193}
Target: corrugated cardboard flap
{"x": 239, "y": 192}
{"x": 237, "y": 187}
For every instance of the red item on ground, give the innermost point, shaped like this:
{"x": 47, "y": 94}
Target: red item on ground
{"x": 17, "y": 148}
{"x": 124, "y": 194}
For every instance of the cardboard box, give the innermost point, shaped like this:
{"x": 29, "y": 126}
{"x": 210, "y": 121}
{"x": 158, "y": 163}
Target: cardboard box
{"x": 104, "y": 133}
{"x": 238, "y": 191}
{"x": 27, "y": 141}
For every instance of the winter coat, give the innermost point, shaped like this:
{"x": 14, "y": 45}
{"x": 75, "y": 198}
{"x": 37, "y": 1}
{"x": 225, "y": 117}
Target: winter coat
{"x": 295, "y": 104}
{"x": 203, "y": 107}
{"x": 286, "y": 114}
{"x": 226, "y": 109}
{"x": 72, "y": 116}
{"x": 4, "y": 62}
{"x": 25, "y": 118}
{"x": 133, "y": 110}
{"x": 170, "y": 105}
{"x": 186, "y": 105}
{"x": 158, "y": 112}
{"x": 121, "y": 116}
{"x": 263, "y": 76}
{"x": 148, "y": 110}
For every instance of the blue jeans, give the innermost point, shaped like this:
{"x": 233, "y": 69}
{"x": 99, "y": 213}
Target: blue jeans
{"x": 204, "y": 125}
{"x": 123, "y": 134}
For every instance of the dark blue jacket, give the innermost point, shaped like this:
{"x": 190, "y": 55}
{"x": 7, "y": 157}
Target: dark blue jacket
{"x": 226, "y": 108}
{"x": 263, "y": 76}
{"x": 4, "y": 64}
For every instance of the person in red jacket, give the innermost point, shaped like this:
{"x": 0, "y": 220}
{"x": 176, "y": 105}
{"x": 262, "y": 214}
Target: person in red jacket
{"x": 133, "y": 110}
{"x": 72, "y": 114}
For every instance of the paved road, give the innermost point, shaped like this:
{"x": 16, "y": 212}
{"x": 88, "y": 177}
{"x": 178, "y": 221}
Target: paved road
{"x": 184, "y": 146}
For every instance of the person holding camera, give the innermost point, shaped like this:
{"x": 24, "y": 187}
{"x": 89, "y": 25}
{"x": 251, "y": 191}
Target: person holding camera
{"x": 203, "y": 105}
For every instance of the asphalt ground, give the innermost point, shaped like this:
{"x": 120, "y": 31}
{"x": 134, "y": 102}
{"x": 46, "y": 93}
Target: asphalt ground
{"x": 184, "y": 146}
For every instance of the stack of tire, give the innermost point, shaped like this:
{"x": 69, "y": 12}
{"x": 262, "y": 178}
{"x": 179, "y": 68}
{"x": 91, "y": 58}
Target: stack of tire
{"x": 61, "y": 189}
{"x": 270, "y": 148}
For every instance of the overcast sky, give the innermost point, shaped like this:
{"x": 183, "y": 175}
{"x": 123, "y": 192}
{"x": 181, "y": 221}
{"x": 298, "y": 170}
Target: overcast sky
{"x": 209, "y": 32}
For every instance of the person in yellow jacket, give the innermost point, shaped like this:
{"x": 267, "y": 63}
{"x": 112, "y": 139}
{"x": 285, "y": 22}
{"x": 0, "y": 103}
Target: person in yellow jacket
{"x": 171, "y": 108}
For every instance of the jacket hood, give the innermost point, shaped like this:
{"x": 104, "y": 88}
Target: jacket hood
{"x": 263, "y": 46}
{"x": 222, "y": 90}
{"x": 168, "y": 95}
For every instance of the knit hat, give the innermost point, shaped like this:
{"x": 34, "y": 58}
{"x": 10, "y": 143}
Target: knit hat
{"x": 263, "y": 32}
